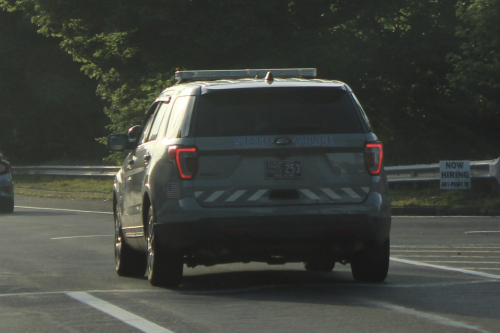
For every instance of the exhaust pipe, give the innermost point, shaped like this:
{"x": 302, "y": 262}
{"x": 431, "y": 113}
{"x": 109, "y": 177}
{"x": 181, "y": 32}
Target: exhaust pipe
{"x": 352, "y": 243}
{"x": 216, "y": 247}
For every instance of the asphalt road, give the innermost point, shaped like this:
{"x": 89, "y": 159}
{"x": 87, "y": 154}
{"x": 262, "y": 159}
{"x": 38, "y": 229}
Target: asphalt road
{"x": 57, "y": 275}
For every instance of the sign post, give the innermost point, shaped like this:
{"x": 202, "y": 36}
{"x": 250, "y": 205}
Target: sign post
{"x": 455, "y": 175}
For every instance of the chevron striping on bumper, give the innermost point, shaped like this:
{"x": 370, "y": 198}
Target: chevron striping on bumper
{"x": 236, "y": 195}
{"x": 351, "y": 193}
{"x": 257, "y": 195}
{"x": 214, "y": 196}
{"x": 331, "y": 194}
{"x": 310, "y": 194}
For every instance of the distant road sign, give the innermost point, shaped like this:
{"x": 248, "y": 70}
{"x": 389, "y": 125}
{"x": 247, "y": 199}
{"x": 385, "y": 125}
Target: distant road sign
{"x": 455, "y": 175}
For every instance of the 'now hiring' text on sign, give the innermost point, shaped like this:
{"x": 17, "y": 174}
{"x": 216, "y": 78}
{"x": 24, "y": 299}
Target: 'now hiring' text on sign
{"x": 455, "y": 175}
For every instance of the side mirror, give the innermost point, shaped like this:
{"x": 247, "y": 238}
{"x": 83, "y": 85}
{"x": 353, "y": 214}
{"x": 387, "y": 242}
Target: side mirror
{"x": 117, "y": 142}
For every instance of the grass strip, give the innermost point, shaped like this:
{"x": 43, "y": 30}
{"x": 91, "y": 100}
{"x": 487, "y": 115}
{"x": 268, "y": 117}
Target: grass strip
{"x": 484, "y": 192}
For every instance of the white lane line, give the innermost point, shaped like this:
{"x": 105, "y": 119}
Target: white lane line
{"x": 463, "y": 262}
{"x": 444, "y": 256}
{"x": 253, "y": 288}
{"x": 65, "y": 210}
{"x": 120, "y": 314}
{"x": 465, "y": 271}
{"x": 445, "y": 217}
{"x": 465, "y": 246}
{"x": 89, "y": 236}
{"x": 424, "y": 315}
{"x": 443, "y": 251}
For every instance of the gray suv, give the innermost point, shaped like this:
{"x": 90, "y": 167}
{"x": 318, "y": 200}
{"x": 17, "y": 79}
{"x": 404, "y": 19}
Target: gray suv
{"x": 6, "y": 187}
{"x": 267, "y": 165}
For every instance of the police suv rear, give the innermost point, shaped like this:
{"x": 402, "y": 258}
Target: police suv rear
{"x": 268, "y": 165}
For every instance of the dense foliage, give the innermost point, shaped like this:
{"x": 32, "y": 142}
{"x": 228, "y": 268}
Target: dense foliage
{"x": 49, "y": 111}
{"x": 427, "y": 72}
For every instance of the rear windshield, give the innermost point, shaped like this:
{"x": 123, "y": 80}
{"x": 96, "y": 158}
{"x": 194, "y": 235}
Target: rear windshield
{"x": 276, "y": 111}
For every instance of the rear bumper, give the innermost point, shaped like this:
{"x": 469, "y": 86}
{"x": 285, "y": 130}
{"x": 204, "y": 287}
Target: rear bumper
{"x": 275, "y": 230}
{"x": 292, "y": 232}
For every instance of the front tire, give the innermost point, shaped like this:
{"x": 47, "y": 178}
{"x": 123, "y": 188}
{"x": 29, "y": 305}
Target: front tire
{"x": 128, "y": 262}
{"x": 372, "y": 264}
{"x": 7, "y": 206}
{"x": 165, "y": 266}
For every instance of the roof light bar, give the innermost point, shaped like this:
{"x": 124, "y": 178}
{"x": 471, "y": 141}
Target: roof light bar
{"x": 245, "y": 73}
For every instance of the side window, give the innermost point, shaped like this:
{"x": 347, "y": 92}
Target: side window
{"x": 365, "y": 117}
{"x": 146, "y": 128}
{"x": 180, "y": 117}
{"x": 160, "y": 114}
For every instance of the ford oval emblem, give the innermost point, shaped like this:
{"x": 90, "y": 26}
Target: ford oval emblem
{"x": 282, "y": 141}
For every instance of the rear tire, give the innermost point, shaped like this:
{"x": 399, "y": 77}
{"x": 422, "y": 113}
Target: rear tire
{"x": 165, "y": 266}
{"x": 128, "y": 262}
{"x": 372, "y": 265}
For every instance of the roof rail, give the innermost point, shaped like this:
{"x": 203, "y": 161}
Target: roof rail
{"x": 235, "y": 74}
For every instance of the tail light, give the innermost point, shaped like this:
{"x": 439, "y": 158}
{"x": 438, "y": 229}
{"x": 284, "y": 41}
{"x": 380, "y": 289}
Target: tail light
{"x": 374, "y": 154}
{"x": 4, "y": 167}
{"x": 186, "y": 159}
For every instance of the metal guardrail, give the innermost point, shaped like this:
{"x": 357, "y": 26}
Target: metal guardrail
{"x": 409, "y": 173}
{"x": 78, "y": 171}
{"x": 426, "y": 172}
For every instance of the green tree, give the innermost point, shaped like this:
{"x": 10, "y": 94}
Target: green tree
{"x": 49, "y": 109}
{"x": 392, "y": 53}
{"x": 477, "y": 63}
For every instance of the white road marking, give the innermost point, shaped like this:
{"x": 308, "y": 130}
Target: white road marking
{"x": 65, "y": 210}
{"x": 246, "y": 289}
{"x": 480, "y": 232}
{"x": 452, "y": 269}
{"x": 120, "y": 314}
{"x": 462, "y": 262}
{"x": 457, "y": 256}
{"x": 424, "y": 315}
{"x": 89, "y": 236}
{"x": 445, "y": 217}
{"x": 444, "y": 251}
{"x": 464, "y": 246}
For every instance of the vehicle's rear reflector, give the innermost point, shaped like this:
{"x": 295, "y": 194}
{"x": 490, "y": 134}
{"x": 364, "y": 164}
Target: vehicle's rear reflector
{"x": 4, "y": 167}
{"x": 374, "y": 154}
{"x": 186, "y": 159}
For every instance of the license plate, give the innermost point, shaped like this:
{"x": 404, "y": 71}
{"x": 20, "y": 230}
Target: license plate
{"x": 283, "y": 169}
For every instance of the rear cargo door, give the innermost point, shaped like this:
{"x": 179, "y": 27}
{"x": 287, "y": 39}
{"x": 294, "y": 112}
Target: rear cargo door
{"x": 279, "y": 146}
